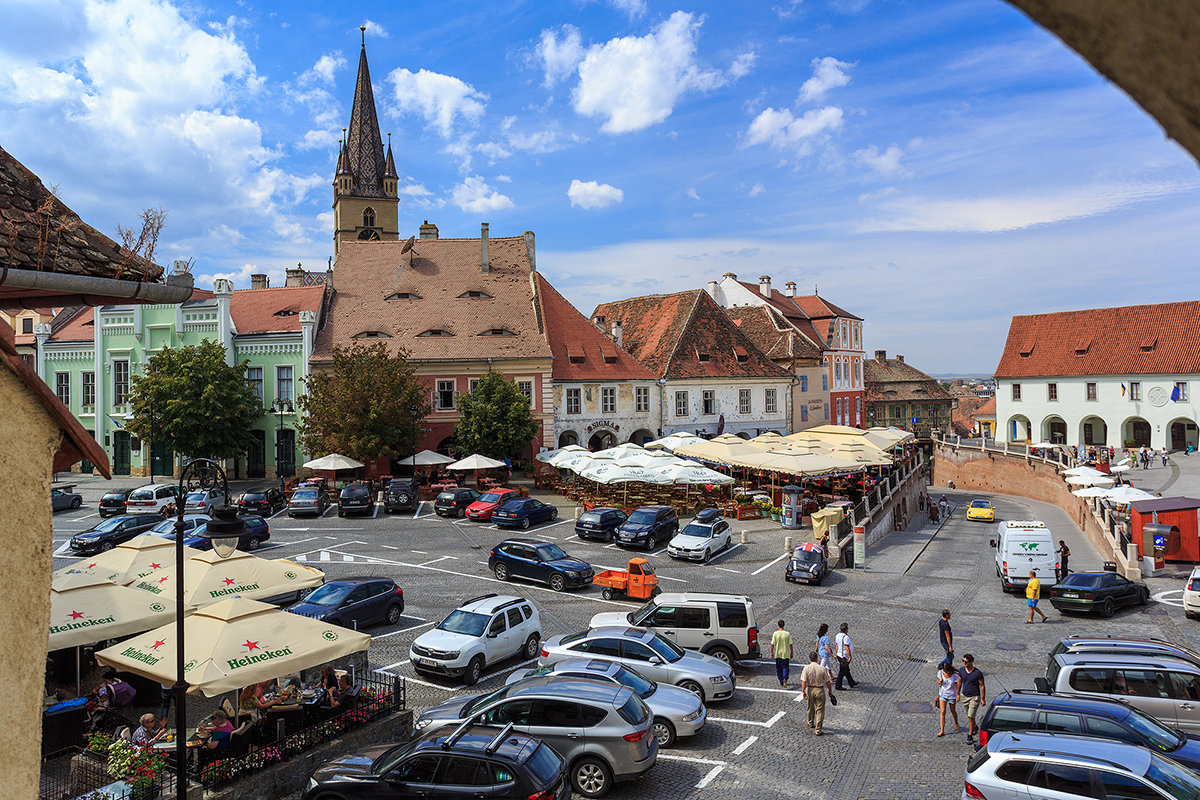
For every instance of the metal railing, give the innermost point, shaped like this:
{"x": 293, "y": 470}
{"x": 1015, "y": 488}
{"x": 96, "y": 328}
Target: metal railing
{"x": 83, "y": 774}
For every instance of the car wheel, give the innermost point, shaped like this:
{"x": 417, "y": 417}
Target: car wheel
{"x": 609, "y": 537}
{"x": 532, "y": 645}
{"x": 557, "y": 582}
{"x": 591, "y": 777}
{"x": 1143, "y": 597}
{"x": 722, "y": 653}
{"x": 462, "y": 512}
{"x": 393, "y": 615}
{"x": 341, "y": 513}
{"x": 525, "y": 524}
{"x": 77, "y": 502}
{"x": 474, "y": 670}
{"x": 607, "y": 594}
{"x": 106, "y": 546}
{"x": 553, "y": 514}
{"x": 253, "y": 543}
{"x": 693, "y": 687}
{"x": 664, "y": 731}
{"x": 1106, "y": 610}
{"x": 501, "y": 572}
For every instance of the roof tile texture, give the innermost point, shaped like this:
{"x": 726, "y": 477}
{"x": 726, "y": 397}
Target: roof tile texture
{"x": 772, "y": 333}
{"x": 273, "y": 310}
{"x": 893, "y": 380}
{"x": 570, "y": 330}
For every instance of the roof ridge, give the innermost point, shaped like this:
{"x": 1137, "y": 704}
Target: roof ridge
{"x": 683, "y": 331}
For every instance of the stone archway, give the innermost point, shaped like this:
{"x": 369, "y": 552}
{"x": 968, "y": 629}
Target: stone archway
{"x": 1054, "y": 430}
{"x": 602, "y": 440}
{"x": 1093, "y": 431}
{"x": 641, "y": 436}
{"x": 1181, "y": 433}
{"x": 1018, "y": 429}
{"x": 446, "y": 445}
{"x": 1135, "y": 432}
{"x": 567, "y": 438}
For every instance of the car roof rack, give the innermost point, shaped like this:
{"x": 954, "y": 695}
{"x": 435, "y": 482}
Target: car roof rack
{"x": 477, "y": 599}
{"x": 458, "y": 733}
{"x": 494, "y": 744}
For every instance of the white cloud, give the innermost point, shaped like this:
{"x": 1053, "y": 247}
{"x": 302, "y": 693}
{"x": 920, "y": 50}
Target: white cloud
{"x": 318, "y": 138}
{"x": 691, "y": 192}
{"x": 756, "y": 190}
{"x": 475, "y": 196}
{"x": 39, "y": 84}
{"x": 742, "y": 65}
{"x": 634, "y": 82}
{"x": 442, "y": 100}
{"x": 828, "y": 74}
{"x": 503, "y": 179}
{"x": 885, "y": 163}
{"x": 375, "y": 29}
{"x": 634, "y": 8}
{"x": 323, "y": 70}
{"x": 560, "y": 54}
{"x": 781, "y": 129}
{"x": 414, "y": 190}
{"x": 592, "y": 194}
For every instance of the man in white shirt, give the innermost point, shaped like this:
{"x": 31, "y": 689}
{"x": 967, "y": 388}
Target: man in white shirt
{"x": 845, "y": 654}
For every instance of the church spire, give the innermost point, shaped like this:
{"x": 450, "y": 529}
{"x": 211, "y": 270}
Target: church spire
{"x": 364, "y": 145}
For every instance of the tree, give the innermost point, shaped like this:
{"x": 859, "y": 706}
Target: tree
{"x": 363, "y": 406}
{"x": 495, "y": 420}
{"x": 195, "y": 403}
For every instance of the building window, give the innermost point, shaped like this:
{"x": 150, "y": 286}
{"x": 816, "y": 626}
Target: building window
{"x": 825, "y": 384}
{"x": 709, "y": 401}
{"x": 858, "y": 373}
{"x": 27, "y": 325}
{"x": 803, "y": 384}
{"x": 526, "y": 388}
{"x": 1051, "y": 391}
{"x": 837, "y": 373}
{"x": 681, "y": 404}
{"x": 1016, "y": 391}
{"x": 283, "y": 385}
{"x": 445, "y": 395}
{"x": 120, "y": 373}
{"x": 254, "y": 375}
{"x": 368, "y": 218}
{"x": 1135, "y": 391}
{"x": 472, "y": 383}
{"x": 1181, "y": 391}
{"x": 858, "y": 411}
{"x": 89, "y": 389}
{"x": 845, "y": 336}
{"x": 858, "y": 336}
{"x": 641, "y": 398}
{"x": 608, "y": 400}
{"x": 62, "y": 387}
{"x": 827, "y": 411}
{"x": 743, "y": 401}
{"x": 804, "y": 413}
{"x": 772, "y": 403}
{"x": 839, "y": 418}
{"x": 574, "y": 401}
{"x": 1091, "y": 391}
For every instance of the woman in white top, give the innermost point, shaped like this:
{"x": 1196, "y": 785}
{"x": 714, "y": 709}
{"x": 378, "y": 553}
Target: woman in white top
{"x": 947, "y": 697}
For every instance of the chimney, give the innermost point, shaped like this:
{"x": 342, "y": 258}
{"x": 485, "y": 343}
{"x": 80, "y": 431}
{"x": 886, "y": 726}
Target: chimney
{"x": 730, "y": 275}
{"x": 259, "y": 281}
{"x": 616, "y": 332}
{"x": 295, "y": 276}
{"x": 881, "y": 355}
{"x": 900, "y": 358}
{"x": 711, "y": 288}
{"x": 530, "y": 250}
{"x": 598, "y": 321}
{"x": 485, "y": 265}
{"x": 789, "y": 288}
{"x": 429, "y": 230}
{"x": 764, "y": 285}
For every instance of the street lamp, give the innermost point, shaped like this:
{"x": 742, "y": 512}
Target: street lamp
{"x": 224, "y": 530}
{"x": 281, "y": 407}
{"x": 413, "y": 410}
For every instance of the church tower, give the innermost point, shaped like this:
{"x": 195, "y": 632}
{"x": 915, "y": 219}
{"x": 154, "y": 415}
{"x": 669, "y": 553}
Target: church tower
{"x": 365, "y": 202}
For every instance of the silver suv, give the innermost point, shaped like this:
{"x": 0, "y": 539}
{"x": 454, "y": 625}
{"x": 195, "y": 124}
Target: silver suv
{"x": 1166, "y": 688}
{"x": 720, "y": 625}
{"x": 480, "y": 632}
{"x": 1124, "y": 645}
{"x": 1066, "y": 766}
{"x": 603, "y": 732}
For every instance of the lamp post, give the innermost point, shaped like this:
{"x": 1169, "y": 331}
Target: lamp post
{"x": 224, "y": 530}
{"x": 413, "y": 409}
{"x": 281, "y": 407}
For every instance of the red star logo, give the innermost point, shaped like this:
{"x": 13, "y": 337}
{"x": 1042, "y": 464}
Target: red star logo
{"x": 162, "y": 579}
{"x": 158, "y": 644}
{"x": 76, "y": 615}
{"x": 249, "y": 645}
{"x": 156, "y": 566}
{"x": 229, "y": 581}
{"x": 89, "y": 566}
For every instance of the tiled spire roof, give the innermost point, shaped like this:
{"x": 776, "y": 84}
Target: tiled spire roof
{"x": 389, "y": 170}
{"x": 364, "y": 146}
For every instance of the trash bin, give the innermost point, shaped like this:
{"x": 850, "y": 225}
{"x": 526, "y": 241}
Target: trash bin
{"x": 1110, "y": 566}
{"x": 792, "y": 507}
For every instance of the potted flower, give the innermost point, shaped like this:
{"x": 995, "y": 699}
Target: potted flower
{"x": 777, "y": 513}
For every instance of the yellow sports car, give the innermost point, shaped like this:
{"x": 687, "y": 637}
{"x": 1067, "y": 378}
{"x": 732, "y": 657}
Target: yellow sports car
{"x": 981, "y": 511}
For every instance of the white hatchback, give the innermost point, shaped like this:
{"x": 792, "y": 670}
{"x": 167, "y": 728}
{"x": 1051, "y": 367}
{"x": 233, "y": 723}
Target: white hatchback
{"x": 1191, "y": 594}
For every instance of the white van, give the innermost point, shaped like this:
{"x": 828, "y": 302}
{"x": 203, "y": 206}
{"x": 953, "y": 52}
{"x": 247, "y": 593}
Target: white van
{"x": 1023, "y": 546}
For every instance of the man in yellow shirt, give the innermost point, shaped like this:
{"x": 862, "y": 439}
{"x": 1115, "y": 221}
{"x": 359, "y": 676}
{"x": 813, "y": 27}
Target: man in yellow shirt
{"x": 1033, "y": 593}
{"x": 782, "y": 652}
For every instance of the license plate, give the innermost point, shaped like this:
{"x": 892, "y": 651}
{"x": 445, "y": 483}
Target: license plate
{"x": 1070, "y": 594}
{"x": 801, "y": 579}
{"x": 427, "y": 661}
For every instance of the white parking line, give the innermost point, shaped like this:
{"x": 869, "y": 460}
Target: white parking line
{"x": 691, "y": 759}
{"x": 726, "y": 569}
{"x": 712, "y": 773}
{"x": 375, "y": 513}
{"x": 741, "y": 748}
{"x": 771, "y": 563}
{"x": 403, "y": 630}
{"x": 388, "y": 547}
{"x": 765, "y": 689}
{"x": 420, "y": 505}
{"x": 326, "y": 514}
{"x": 768, "y": 724}
{"x": 298, "y": 541}
{"x": 392, "y": 666}
{"x": 422, "y": 552}
{"x": 277, "y": 513}
{"x": 430, "y": 685}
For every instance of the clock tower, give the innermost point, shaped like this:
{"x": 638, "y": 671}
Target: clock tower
{"x": 365, "y": 202}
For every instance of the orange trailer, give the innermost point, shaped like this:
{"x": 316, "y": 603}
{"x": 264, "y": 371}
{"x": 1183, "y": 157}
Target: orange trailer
{"x": 639, "y": 582}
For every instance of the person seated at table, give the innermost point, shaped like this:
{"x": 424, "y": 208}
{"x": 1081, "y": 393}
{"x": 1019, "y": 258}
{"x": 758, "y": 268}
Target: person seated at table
{"x": 219, "y": 730}
{"x": 328, "y": 679}
{"x": 344, "y": 694}
{"x": 146, "y": 732}
{"x": 253, "y": 703}
{"x": 290, "y": 684}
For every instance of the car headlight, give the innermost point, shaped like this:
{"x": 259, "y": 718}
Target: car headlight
{"x": 422, "y": 724}
{"x": 695, "y": 715}
{"x": 719, "y": 679}
{"x": 453, "y": 655}
{"x": 573, "y": 573}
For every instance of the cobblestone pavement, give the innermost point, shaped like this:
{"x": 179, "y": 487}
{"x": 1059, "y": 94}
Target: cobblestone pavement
{"x": 755, "y": 745}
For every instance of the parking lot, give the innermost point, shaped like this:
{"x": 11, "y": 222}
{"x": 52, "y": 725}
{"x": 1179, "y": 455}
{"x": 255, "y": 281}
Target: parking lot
{"x": 879, "y": 741}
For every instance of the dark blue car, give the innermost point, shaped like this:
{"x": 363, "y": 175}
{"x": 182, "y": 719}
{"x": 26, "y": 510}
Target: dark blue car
{"x": 257, "y": 532}
{"x": 599, "y": 523}
{"x": 354, "y": 602}
{"x": 535, "y": 560}
{"x": 522, "y": 513}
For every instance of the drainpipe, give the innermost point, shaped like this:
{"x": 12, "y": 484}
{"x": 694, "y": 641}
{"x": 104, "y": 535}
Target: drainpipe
{"x": 176, "y": 288}
{"x": 662, "y": 393}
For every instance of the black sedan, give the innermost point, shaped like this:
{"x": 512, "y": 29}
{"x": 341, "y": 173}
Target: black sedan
{"x": 60, "y": 500}
{"x": 523, "y": 512}
{"x": 808, "y": 564}
{"x": 265, "y": 500}
{"x": 111, "y": 532}
{"x": 112, "y": 504}
{"x": 1097, "y": 591}
{"x": 600, "y": 523}
{"x": 354, "y": 602}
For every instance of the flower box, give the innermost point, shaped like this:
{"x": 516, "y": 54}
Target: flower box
{"x": 749, "y": 512}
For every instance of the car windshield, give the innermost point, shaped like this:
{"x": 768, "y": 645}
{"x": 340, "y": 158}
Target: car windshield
{"x": 491, "y": 497}
{"x": 665, "y": 650}
{"x": 483, "y": 700}
{"x": 114, "y": 495}
{"x": 643, "y": 516}
{"x": 698, "y": 530}
{"x": 640, "y": 614}
{"x": 1160, "y": 735}
{"x": 545, "y": 763}
{"x": 330, "y": 594}
{"x": 633, "y": 710}
{"x": 551, "y": 552}
{"x": 643, "y": 687}
{"x": 304, "y": 494}
{"x": 1176, "y": 781}
{"x": 354, "y": 491}
{"x": 446, "y": 497}
{"x": 195, "y": 497}
{"x": 806, "y": 555}
{"x": 980, "y": 504}
{"x": 389, "y": 760}
{"x": 589, "y": 516}
{"x": 166, "y": 526}
{"x": 464, "y": 622}
{"x": 1081, "y": 580}
{"x": 512, "y": 506}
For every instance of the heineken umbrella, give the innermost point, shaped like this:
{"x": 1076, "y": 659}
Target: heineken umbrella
{"x": 333, "y": 462}
{"x": 87, "y": 608}
{"x": 1091, "y": 491}
{"x": 425, "y": 458}
{"x": 608, "y": 472}
{"x": 137, "y": 558}
{"x": 576, "y": 460}
{"x": 209, "y": 578}
{"x": 234, "y": 643}
{"x": 1082, "y": 472}
{"x": 1090, "y": 480}
{"x": 549, "y": 454}
{"x": 673, "y": 440}
{"x": 691, "y": 474}
{"x": 1127, "y": 494}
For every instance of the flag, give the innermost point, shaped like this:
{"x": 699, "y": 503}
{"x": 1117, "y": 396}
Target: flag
{"x": 1175, "y": 394}
{"x": 116, "y": 421}
{"x": 1122, "y": 390}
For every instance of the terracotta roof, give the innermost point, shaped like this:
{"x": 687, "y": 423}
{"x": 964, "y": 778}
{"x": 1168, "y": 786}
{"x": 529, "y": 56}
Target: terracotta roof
{"x": 772, "y": 333}
{"x": 273, "y": 310}
{"x": 368, "y": 273}
{"x": 77, "y": 444}
{"x": 817, "y": 307}
{"x": 39, "y": 232}
{"x": 572, "y": 337}
{"x": 687, "y": 335}
{"x": 1131, "y": 340}
{"x": 892, "y": 380}
{"x": 785, "y": 305}
{"x": 987, "y": 409}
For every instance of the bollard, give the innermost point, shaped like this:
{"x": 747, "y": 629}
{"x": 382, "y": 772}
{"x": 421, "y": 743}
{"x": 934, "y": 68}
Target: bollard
{"x": 787, "y": 544}
{"x": 745, "y": 537}
{"x": 578, "y": 512}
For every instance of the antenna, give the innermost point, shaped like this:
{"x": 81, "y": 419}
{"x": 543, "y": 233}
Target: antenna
{"x": 408, "y": 246}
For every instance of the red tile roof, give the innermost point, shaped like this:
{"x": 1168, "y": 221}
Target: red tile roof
{"x": 817, "y": 307}
{"x": 439, "y": 273}
{"x": 79, "y": 328}
{"x": 571, "y": 335}
{"x": 892, "y": 380}
{"x": 986, "y": 409}
{"x": 773, "y": 333}
{"x": 672, "y": 333}
{"x": 1131, "y": 340}
{"x": 273, "y": 310}
{"x": 794, "y": 313}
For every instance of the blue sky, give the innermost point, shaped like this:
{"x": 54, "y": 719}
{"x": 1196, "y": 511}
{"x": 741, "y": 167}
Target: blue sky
{"x": 933, "y": 167}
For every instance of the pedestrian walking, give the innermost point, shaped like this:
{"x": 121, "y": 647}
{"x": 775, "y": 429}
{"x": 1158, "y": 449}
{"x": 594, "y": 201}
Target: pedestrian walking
{"x": 973, "y": 693}
{"x": 824, "y": 648}
{"x": 946, "y": 636}
{"x": 921, "y": 501}
{"x": 933, "y": 513}
{"x": 845, "y": 654}
{"x": 1064, "y": 555}
{"x": 1164, "y": 456}
{"x": 816, "y": 685}
{"x": 947, "y": 697}
{"x": 943, "y": 506}
{"x": 1033, "y": 593}
{"x": 782, "y": 651}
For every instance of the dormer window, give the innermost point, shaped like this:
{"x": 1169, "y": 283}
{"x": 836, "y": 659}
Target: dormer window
{"x": 474, "y": 295}
{"x": 403, "y": 296}
{"x": 372, "y": 335}
{"x": 1082, "y": 346}
{"x": 742, "y": 355}
{"x": 368, "y": 217}
{"x": 1149, "y": 343}
{"x": 575, "y": 354}
{"x": 701, "y": 356}
{"x": 497, "y": 332}
{"x": 435, "y": 332}
{"x": 286, "y": 312}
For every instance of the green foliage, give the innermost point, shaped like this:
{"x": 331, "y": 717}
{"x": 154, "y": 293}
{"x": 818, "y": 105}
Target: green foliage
{"x": 195, "y": 403}
{"x": 494, "y": 420}
{"x": 363, "y": 406}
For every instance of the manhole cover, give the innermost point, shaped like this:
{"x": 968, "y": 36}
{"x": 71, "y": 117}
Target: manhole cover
{"x": 1009, "y": 646}
{"x": 916, "y": 660}
{"x": 914, "y": 708}
{"x": 1157, "y": 612}
{"x": 836, "y": 593}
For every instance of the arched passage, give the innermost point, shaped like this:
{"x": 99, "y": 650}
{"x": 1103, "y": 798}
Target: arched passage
{"x": 1093, "y": 431}
{"x": 446, "y": 445}
{"x": 1054, "y": 430}
{"x": 1181, "y": 433}
{"x": 1018, "y": 428}
{"x": 1135, "y": 432}
{"x": 641, "y": 436}
{"x": 568, "y": 438}
{"x": 602, "y": 440}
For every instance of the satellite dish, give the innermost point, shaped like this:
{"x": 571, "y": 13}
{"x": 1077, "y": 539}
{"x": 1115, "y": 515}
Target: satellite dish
{"x": 408, "y": 245}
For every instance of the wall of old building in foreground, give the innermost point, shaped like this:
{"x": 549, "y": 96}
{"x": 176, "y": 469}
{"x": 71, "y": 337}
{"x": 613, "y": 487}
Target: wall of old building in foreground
{"x": 28, "y": 441}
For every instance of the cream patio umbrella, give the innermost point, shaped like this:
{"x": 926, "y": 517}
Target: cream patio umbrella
{"x": 137, "y": 558}
{"x": 725, "y": 449}
{"x": 474, "y": 463}
{"x": 1090, "y": 480}
{"x": 87, "y": 608}
{"x": 860, "y": 453}
{"x": 808, "y": 465}
{"x": 672, "y": 441}
{"x": 235, "y": 643}
{"x": 425, "y": 458}
{"x": 1127, "y": 494}
{"x": 887, "y": 438}
{"x": 1075, "y": 472}
{"x": 208, "y": 578}
{"x": 609, "y": 472}
{"x": 550, "y": 454}
{"x": 333, "y": 462}
{"x": 1091, "y": 491}
{"x": 691, "y": 474}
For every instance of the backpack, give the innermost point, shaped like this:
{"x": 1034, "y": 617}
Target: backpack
{"x": 123, "y": 694}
